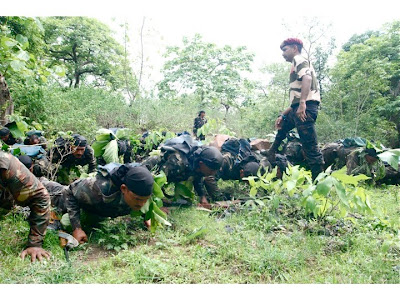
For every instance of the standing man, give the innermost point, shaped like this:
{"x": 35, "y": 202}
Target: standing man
{"x": 199, "y": 121}
{"x": 303, "y": 111}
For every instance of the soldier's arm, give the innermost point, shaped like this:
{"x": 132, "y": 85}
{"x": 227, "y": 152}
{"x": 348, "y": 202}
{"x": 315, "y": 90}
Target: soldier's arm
{"x": 92, "y": 161}
{"x": 73, "y": 209}
{"x": 198, "y": 186}
{"x": 28, "y": 191}
{"x": 39, "y": 217}
{"x": 211, "y": 185}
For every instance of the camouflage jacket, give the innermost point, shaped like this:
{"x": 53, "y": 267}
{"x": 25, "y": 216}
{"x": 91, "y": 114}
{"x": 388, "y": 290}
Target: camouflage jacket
{"x": 58, "y": 194}
{"x": 97, "y": 195}
{"x": 19, "y": 186}
{"x": 69, "y": 161}
{"x": 177, "y": 167}
{"x": 225, "y": 173}
{"x": 356, "y": 163}
{"x": 198, "y": 123}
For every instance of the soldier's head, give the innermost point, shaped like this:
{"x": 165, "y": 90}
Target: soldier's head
{"x": 26, "y": 161}
{"x": 370, "y": 155}
{"x": 202, "y": 114}
{"x": 79, "y": 145}
{"x": 249, "y": 169}
{"x": 209, "y": 161}
{"x": 34, "y": 139}
{"x": 136, "y": 184}
{"x": 290, "y": 48}
{"x": 4, "y": 133}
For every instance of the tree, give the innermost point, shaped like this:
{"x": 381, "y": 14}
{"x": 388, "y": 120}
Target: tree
{"x": 20, "y": 45}
{"x": 318, "y": 45}
{"x": 359, "y": 39}
{"x": 87, "y": 49}
{"x": 364, "y": 95}
{"x": 214, "y": 74}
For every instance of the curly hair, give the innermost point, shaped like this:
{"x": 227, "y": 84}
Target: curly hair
{"x": 293, "y": 41}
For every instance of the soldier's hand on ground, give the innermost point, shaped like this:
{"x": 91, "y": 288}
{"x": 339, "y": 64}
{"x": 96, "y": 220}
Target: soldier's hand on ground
{"x": 35, "y": 252}
{"x": 278, "y": 123}
{"x": 80, "y": 235}
{"x": 204, "y": 203}
{"x": 147, "y": 223}
{"x": 301, "y": 112}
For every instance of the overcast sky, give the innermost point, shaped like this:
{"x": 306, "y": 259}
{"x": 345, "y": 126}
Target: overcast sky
{"x": 254, "y": 24}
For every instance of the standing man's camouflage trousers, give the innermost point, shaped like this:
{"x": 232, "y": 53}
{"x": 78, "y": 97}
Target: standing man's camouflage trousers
{"x": 307, "y": 133}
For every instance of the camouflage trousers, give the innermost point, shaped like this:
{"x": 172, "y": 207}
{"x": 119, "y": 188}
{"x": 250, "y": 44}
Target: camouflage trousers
{"x": 307, "y": 133}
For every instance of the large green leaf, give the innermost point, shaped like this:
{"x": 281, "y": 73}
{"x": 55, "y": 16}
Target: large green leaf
{"x": 391, "y": 157}
{"x": 104, "y": 134}
{"x": 324, "y": 186}
{"x": 17, "y": 65}
{"x": 18, "y": 129}
{"x": 23, "y": 55}
{"x": 157, "y": 192}
{"x": 182, "y": 190}
{"x": 7, "y": 42}
{"x": 161, "y": 179}
{"x": 98, "y": 147}
{"x": 348, "y": 179}
{"x": 123, "y": 133}
{"x": 111, "y": 152}
{"x": 23, "y": 40}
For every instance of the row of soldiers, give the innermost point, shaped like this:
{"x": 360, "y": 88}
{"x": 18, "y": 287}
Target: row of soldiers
{"x": 119, "y": 188}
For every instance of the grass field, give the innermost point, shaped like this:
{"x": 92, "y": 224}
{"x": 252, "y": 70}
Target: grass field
{"x": 237, "y": 245}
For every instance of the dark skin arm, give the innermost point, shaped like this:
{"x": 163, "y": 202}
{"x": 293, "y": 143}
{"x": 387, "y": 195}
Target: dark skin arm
{"x": 35, "y": 252}
{"x": 305, "y": 90}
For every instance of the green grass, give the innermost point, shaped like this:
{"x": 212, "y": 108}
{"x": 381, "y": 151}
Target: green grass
{"x": 242, "y": 246}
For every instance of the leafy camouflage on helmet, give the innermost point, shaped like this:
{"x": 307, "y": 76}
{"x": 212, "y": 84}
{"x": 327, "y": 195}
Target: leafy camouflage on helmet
{"x": 176, "y": 166}
{"x": 18, "y": 186}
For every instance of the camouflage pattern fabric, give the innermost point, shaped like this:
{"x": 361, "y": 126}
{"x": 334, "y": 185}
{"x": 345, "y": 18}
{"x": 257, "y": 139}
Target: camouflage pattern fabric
{"x": 176, "y": 166}
{"x": 300, "y": 67}
{"x": 225, "y": 173}
{"x": 42, "y": 166}
{"x": 357, "y": 164}
{"x": 58, "y": 194}
{"x": 97, "y": 195}
{"x": 70, "y": 160}
{"x": 198, "y": 123}
{"x": 18, "y": 186}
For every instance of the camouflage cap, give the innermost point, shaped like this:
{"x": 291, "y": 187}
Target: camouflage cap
{"x": 79, "y": 140}
{"x": 211, "y": 157}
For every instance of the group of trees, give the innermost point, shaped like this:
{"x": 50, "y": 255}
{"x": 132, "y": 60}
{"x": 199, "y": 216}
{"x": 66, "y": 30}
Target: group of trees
{"x": 69, "y": 73}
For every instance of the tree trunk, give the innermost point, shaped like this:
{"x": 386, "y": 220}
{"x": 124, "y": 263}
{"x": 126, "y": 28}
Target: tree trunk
{"x": 6, "y": 104}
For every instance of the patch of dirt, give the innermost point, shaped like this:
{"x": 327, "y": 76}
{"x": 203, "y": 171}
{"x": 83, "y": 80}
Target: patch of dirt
{"x": 93, "y": 253}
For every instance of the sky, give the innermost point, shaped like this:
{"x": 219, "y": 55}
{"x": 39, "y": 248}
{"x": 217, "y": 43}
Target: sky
{"x": 254, "y": 24}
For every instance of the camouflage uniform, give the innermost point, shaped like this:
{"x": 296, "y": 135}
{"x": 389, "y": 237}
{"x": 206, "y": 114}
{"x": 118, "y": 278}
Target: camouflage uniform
{"x": 58, "y": 194}
{"x": 97, "y": 195}
{"x": 356, "y": 163}
{"x": 70, "y": 160}
{"x": 306, "y": 129}
{"x": 177, "y": 166}
{"x": 19, "y": 186}
{"x": 198, "y": 123}
{"x": 225, "y": 173}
